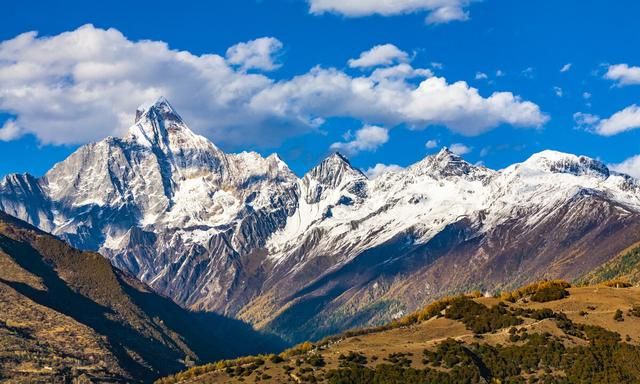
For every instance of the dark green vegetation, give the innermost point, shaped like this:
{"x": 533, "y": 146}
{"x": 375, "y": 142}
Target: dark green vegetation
{"x": 66, "y": 314}
{"x": 535, "y": 358}
{"x": 625, "y": 267}
{"x": 480, "y": 319}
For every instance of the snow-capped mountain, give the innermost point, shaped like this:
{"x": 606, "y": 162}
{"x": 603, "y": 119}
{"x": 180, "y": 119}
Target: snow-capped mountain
{"x": 242, "y": 235}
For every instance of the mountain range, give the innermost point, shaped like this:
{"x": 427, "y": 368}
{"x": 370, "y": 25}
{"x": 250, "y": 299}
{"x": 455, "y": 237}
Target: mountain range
{"x": 242, "y": 236}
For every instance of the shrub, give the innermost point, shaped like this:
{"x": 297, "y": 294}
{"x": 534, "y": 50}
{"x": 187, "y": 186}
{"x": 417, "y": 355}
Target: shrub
{"x": 479, "y": 318}
{"x": 617, "y": 284}
{"x": 541, "y": 291}
{"x": 276, "y": 359}
{"x": 618, "y": 315}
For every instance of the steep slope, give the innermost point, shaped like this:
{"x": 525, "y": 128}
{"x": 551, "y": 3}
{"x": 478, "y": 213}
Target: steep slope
{"x": 625, "y": 268}
{"x": 241, "y": 235}
{"x": 66, "y": 314}
{"x": 581, "y": 338}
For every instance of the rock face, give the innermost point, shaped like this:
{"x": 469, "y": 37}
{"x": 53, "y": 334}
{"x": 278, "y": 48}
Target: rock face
{"x": 241, "y": 235}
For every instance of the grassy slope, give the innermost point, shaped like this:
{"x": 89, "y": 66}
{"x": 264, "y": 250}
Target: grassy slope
{"x": 625, "y": 267}
{"x": 585, "y": 305}
{"x": 66, "y": 313}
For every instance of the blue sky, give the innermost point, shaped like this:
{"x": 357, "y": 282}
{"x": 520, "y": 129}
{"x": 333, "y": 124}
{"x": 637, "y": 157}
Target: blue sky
{"x": 528, "y": 42}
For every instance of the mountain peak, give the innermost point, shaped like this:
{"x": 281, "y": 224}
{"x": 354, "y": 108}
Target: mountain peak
{"x": 560, "y": 162}
{"x": 161, "y": 107}
{"x": 445, "y": 151}
{"x": 156, "y": 122}
{"x": 333, "y": 170}
{"x": 443, "y": 164}
{"x": 337, "y": 158}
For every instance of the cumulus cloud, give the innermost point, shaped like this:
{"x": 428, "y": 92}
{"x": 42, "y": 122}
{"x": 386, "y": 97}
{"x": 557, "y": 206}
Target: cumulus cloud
{"x": 399, "y": 72}
{"x": 630, "y": 166}
{"x": 385, "y": 54}
{"x": 430, "y": 144}
{"x": 82, "y": 85}
{"x": 481, "y": 76}
{"x": 367, "y": 138}
{"x": 255, "y": 54}
{"x": 621, "y": 121}
{"x": 566, "y": 67}
{"x": 9, "y": 131}
{"x": 439, "y": 11}
{"x": 623, "y": 74}
{"x": 380, "y": 169}
{"x": 460, "y": 149}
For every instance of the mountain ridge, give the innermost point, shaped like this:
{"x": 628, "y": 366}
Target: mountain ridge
{"x": 242, "y": 235}
{"x": 69, "y": 315}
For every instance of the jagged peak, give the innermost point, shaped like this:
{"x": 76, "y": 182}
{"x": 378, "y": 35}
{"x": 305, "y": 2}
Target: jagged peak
{"x": 24, "y": 180}
{"x": 161, "y": 107}
{"x": 156, "y": 124}
{"x": 446, "y": 152}
{"x": 334, "y": 169}
{"x": 445, "y": 163}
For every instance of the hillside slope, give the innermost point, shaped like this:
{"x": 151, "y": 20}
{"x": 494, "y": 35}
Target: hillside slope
{"x": 625, "y": 267}
{"x": 68, "y": 314}
{"x": 590, "y": 336}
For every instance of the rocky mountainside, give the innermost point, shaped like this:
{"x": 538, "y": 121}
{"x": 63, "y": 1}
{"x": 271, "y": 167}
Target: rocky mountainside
{"x": 241, "y": 235}
{"x": 69, "y": 316}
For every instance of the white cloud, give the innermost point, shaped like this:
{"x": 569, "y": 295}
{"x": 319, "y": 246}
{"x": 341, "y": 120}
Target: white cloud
{"x": 630, "y": 166}
{"x": 380, "y": 169}
{"x": 380, "y": 55}
{"x": 9, "y": 131}
{"x": 431, "y": 144}
{"x": 623, "y": 74}
{"x": 82, "y": 85}
{"x": 447, "y": 14}
{"x": 436, "y": 65}
{"x": 481, "y": 76}
{"x": 440, "y": 11}
{"x": 367, "y": 138}
{"x": 566, "y": 67}
{"x": 558, "y": 91}
{"x": 585, "y": 120}
{"x": 500, "y": 73}
{"x": 460, "y": 149}
{"x": 255, "y": 54}
{"x": 399, "y": 72}
{"x": 621, "y": 121}
{"x": 586, "y": 95}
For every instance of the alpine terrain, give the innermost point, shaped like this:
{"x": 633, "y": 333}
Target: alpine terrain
{"x": 241, "y": 235}
{"x": 68, "y": 316}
